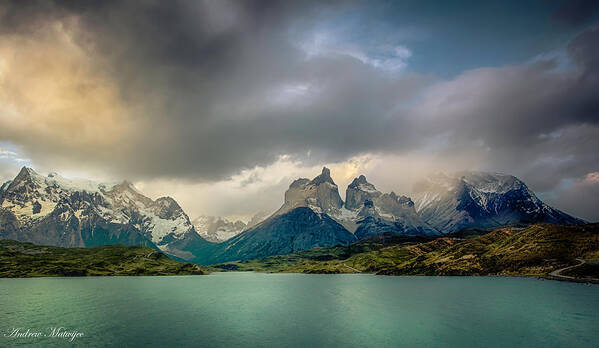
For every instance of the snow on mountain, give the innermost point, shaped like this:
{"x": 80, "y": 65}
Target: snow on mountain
{"x": 321, "y": 194}
{"x": 374, "y": 212}
{"x": 477, "y": 199}
{"x": 76, "y": 213}
{"x": 217, "y": 229}
{"x": 257, "y": 218}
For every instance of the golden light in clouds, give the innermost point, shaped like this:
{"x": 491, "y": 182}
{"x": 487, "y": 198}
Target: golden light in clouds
{"x": 50, "y": 90}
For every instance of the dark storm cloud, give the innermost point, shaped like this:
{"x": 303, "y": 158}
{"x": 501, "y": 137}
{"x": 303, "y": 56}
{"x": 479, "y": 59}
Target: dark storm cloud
{"x": 214, "y": 84}
{"x": 536, "y": 121}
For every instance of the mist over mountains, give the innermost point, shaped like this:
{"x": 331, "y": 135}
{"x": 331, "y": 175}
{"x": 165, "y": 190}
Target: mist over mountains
{"x": 53, "y": 210}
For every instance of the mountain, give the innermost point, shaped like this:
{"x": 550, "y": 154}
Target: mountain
{"x": 314, "y": 215}
{"x": 320, "y": 194}
{"x": 481, "y": 200}
{"x": 302, "y": 222}
{"x": 366, "y": 210}
{"x": 53, "y": 210}
{"x": 298, "y": 229}
{"x": 374, "y": 212}
{"x": 217, "y": 229}
{"x": 257, "y": 218}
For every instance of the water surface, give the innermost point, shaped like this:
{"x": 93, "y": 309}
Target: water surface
{"x": 295, "y": 310}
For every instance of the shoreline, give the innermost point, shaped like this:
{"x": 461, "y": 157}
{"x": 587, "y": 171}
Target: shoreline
{"x": 592, "y": 281}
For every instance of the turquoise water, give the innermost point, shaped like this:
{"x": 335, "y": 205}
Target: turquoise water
{"x": 294, "y": 310}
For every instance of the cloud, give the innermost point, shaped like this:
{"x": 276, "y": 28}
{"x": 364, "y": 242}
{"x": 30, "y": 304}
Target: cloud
{"x": 389, "y": 58}
{"x": 530, "y": 120}
{"x": 579, "y": 196}
{"x": 108, "y": 88}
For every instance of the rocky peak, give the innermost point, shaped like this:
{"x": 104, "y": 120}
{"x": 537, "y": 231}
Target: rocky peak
{"x": 325, "y": 176}
{"x": 361, "y": 180}
{"x": 24, "y": 187}
{"x": 26, "y": 175}
{"x": 320, "y": 194}
{"x": 359, "y": 191}
{"x": 167, "y": 208}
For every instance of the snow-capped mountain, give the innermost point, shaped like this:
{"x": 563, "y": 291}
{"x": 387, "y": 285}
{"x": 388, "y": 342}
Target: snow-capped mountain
{"x": 374, "y": 212}
{"x": 217, "y": 229}
{"x": 54, "y": 210}
{"x": 476, "y": 199}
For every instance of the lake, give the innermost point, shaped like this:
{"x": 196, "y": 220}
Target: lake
{"x": 296, "y": 310}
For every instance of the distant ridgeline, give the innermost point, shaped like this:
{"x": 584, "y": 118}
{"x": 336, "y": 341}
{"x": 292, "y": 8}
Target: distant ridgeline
{"x": 55, "y": 211}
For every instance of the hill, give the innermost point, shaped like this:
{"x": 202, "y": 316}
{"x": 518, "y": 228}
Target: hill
{"x": 536, "y": 250}
{"x": 19, "y": 260}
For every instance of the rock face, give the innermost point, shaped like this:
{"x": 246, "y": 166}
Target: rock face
{"x": 319, "y": 194}
{"x": 53, "y": 210}
{"x": 374, "y": 212}
{"x": 217, "y": 229}
{"x": 476, "y": 199}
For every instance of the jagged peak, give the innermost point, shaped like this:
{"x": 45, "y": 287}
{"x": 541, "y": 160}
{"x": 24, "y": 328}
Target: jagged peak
{"x": 25, "y": 177}
{"x": 25, "y": 173}
{"x": 325, "y": 176}
{"x": 357, "y": 181}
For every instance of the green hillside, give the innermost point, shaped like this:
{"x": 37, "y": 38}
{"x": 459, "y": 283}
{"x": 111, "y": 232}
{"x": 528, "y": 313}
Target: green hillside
{"x": 536, "y": 250}
{"x": 28, "y": 260}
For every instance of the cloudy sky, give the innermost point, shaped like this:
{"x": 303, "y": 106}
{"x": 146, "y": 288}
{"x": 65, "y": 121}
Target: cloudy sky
{"x": 221, "y": 104}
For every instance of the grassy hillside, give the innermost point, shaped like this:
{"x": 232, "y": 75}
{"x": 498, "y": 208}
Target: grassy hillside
{"x": 28, "y": 260}
{"x": 527, "y": 251}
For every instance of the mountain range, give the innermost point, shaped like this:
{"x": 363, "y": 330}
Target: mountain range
{"x": 53, "y": 210}
{"x": 218, "y": 229}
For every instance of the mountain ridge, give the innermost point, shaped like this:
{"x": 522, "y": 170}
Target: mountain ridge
{"x": 53, "y": 210}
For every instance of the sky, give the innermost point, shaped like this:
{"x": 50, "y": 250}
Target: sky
{"x": 221, "y": 104}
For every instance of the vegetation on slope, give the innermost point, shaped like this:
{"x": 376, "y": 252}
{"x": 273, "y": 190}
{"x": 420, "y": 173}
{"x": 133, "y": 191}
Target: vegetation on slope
{"x": 535, "y": 250}
{"x": 19, "y": 259}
